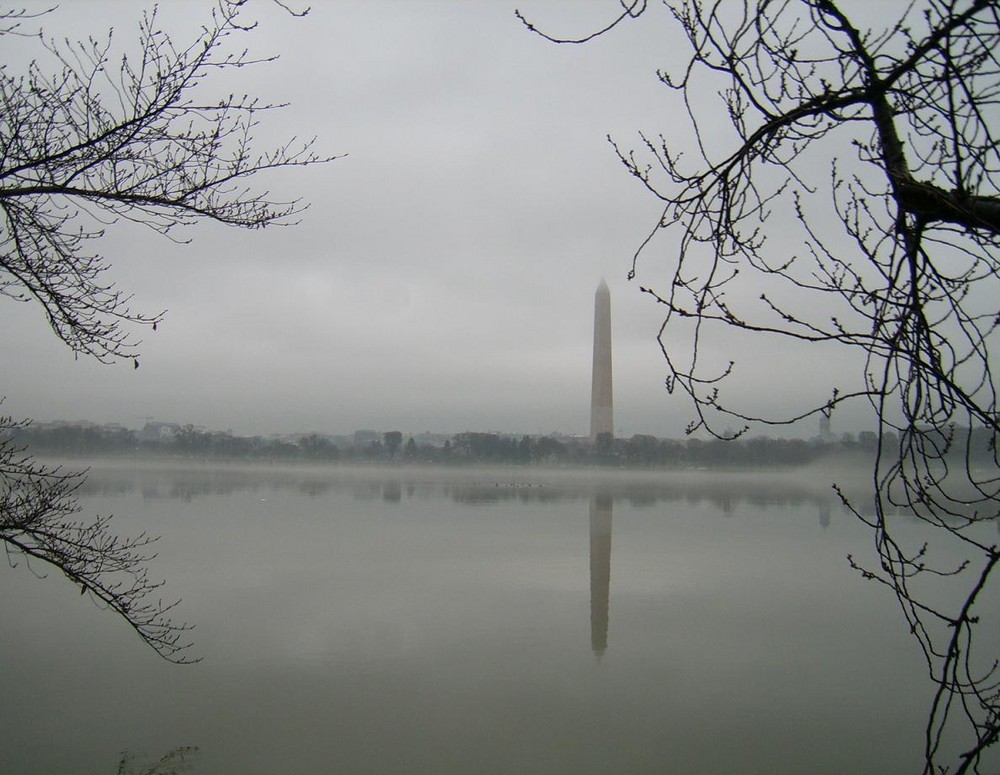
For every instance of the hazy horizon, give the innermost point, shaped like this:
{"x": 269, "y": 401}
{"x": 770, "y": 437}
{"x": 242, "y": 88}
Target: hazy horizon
{"x": 764, "y": 431}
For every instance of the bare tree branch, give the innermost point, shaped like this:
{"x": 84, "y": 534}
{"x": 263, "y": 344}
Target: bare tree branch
{"x": 86, "y": 141}
{"x": 89, "y": 138}
{"x": 895, "y": 132}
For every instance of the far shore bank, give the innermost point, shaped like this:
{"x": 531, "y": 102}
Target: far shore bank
{"x": 813, "y": 480}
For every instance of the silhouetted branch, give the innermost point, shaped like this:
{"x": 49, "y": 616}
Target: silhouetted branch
{"x": 86, "y": 141}
{"x": 39, "y": 528}
{"x": 88, "y": 138}
{"x": 895, "y": 133}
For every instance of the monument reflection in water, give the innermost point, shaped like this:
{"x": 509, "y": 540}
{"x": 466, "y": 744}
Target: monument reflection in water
{"x": 600, "y": 571}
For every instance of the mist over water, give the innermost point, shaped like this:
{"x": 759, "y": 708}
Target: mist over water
{"x": 514, "y": 620}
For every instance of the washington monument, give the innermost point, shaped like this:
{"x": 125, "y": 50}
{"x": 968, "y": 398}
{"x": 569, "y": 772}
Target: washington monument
{"x": 601, "y": 411}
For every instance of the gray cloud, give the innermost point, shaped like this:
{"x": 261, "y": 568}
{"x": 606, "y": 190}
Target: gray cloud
{"x": 443, "y": 276}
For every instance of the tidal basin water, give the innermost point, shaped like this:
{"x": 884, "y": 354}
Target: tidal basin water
{"x": 472, "y": 621}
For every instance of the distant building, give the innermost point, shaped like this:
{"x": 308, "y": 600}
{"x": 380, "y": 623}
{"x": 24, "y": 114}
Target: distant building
{"x": 365, "y": 438}
{"x": 601, "y": 401}
{"x": 158, "y": 431}
{"x": 428, "y": 439}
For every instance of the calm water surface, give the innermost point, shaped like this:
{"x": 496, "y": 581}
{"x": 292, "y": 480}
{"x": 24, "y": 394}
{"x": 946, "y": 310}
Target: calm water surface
{"x": 473, "y": 622}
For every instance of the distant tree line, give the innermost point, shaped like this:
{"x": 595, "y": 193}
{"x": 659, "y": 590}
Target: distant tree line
{"x": 639, "y": 451}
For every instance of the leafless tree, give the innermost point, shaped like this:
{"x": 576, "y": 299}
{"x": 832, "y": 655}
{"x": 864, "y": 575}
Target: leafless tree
{"x": 882, "y": 141}
{"x": 91, "y": 136}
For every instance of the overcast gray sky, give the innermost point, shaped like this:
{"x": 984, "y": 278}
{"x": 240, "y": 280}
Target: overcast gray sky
{"x": 443, "y": 276}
